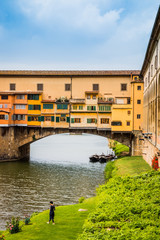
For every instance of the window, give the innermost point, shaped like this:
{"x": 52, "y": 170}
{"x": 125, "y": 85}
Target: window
{"x": 19, "y": 117}
{"x": 91, "y": 120}
{"x": 20, "y": 97}
{"x": 80, "y": 107}
{"x": 4, "y": 97}
{"x": 75, "y": 120}
{"x": 95, "y": 87}
{"x": 12, "y": 86}
{"x": 33, "y": 97}
{"x": 62, "y": 119}
{"x": 47, "y": 118}
{"x": 120, "y": 100}
{"x": 33, "y": 118}
{"x": 104, "y": 120}
{"x": 91, "y": 108}
{"x": 20, "y": 106}
{"x": 34, "y": 107}
{"x": 62, "y": 106}
{"x": 47, "y": 105}
{"x": 138, "y": 101}
{"x": 156, "y": 62}
{"x": 74, "y": 107}
{"x": 2, "y": 117}
{"x": 138, "y": 116}
{"x": 128, "y": 112}
{"x": 116, "y": 123}
{"x": 151, "y": 70}
{"x": 128, "y": 100}
{"x": 88, "y": 96}
{"x": 94, "y": 97}
{"x": 67, "y": 87}
{"x": 105, "y": 108}
{"x": 40, "y": 87}
{"x": 1, "y": 105}
{"x": 128, "y": 123}
{"x": 5, "y": 105}
{"x": 138, "y": 87}
{"x": 123, "y": 86}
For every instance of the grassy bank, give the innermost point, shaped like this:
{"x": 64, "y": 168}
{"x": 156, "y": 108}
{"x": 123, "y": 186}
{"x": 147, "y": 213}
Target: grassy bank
{"x": 127, "y": 207}
{"x": 108, "y": 212}
{"x": 68, "y": 219}
{"x": 119, "y": 148}
{"x": 126, "y": 166}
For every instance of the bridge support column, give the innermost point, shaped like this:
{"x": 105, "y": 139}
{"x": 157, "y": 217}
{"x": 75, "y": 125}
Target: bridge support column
{"x": 137, "y": 144}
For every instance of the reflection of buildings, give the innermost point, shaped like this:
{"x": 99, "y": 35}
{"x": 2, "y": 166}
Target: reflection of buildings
{"x": 151, "y": 76}
{"x": 108, "y": 100}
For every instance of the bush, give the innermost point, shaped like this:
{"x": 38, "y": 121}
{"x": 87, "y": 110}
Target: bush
{"x": 109, "y": 169}
{"x": 127, "y": 208}
{"x": 13, "y": 226}
{"x": 81, "y": 199}
{"x": 27, "y": 220}
{"x": 2, "y": 237}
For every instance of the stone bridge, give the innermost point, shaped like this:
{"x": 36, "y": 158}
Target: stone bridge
{"x": 15, "y": 141}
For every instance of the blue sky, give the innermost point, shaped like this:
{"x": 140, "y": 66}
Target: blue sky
{"x": 75, "y": 34}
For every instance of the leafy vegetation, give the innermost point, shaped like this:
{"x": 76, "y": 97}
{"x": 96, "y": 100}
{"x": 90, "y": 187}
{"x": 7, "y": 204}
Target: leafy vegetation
{"x": 14, "y": 226}
{"x": 127, "y": 208}
{"x": 119, "y": 148}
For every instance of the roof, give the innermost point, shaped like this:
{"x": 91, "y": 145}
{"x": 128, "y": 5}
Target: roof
{"x": 68, "y": 73}
{"x": 152, "y": 42}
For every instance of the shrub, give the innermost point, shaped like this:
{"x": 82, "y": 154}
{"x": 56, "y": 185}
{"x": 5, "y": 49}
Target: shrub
{"x": 27, "y": 220}
{"x": 81, "y": 199}
{"x": 2, "y": 237}
{"x": 13, "y": 226}
{"x": 109, "y": 169}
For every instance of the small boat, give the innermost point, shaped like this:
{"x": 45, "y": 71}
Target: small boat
{"x": 105, "y": 158}
{"x": 94, "y": 158}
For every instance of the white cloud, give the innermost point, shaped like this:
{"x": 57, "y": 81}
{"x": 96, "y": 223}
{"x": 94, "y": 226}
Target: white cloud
{"x": 78, "y": 14}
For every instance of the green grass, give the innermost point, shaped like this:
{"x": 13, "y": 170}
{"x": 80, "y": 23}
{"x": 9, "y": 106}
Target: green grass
{"x": 131, "y": 166}
{"x": 119, "y": 148}
{"x": 68, "y": 223}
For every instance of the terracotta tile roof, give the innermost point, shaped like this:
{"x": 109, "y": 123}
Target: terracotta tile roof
{"x": 69, "y": 73}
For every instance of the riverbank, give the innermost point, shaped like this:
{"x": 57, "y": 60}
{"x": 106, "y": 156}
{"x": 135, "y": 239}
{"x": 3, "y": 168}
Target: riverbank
{"x": 69, "y": 220}
{"x": 68, "y": 223}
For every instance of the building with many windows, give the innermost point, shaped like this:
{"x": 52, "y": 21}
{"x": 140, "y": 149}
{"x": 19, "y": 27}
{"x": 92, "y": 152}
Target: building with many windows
{"x": 151, "y": 75}
{"x": 108, "y": 100}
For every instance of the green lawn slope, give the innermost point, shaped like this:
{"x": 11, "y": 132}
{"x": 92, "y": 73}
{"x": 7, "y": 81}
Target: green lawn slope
{"x": 68, "y": 223}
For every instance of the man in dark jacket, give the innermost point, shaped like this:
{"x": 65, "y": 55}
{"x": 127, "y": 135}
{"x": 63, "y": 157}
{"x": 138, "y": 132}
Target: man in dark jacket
{"x": 51, "y": 213}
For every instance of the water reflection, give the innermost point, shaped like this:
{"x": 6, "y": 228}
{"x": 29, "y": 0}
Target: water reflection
{"x": 58, "y": 170}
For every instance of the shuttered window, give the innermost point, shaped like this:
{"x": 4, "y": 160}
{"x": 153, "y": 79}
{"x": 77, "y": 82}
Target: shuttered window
{"x": 47, "y": 106}
{"x": 57, "y": 119}
{"x": 62, "y": 106}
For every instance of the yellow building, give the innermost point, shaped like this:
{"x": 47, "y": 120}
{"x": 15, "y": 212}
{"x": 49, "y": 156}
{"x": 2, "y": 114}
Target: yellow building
{"x": 103, "y": 100}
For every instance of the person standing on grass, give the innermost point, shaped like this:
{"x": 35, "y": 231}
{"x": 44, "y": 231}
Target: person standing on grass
{"x": 51, "y": 213}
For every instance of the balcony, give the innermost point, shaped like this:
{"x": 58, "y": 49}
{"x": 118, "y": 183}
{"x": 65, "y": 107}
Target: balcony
{"x": 78, "y": 101}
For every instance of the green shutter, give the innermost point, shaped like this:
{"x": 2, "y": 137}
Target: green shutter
{"x": 72, "y": 120}
{"x": 47, "y": 106}
{"x": 88, "y": 120}
{"x": 36, "y": 97}
{"x": 94, "y": 108}
{"x": 30, "y": 107}
{"x": 57, "y": 119}
{"x": 68, "y": 119}
{"x": 39, "y": 107}
{"x": 39, "y": 119}
{"x": 29, "y": 118}
{"x": 42, "y": 118}
{"x": 65, "y": 106}
{"x": 52, "y": 118}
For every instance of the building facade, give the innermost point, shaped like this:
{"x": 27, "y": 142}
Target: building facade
{"x": 108, "y": 100}
{"x": 151, "y": 109}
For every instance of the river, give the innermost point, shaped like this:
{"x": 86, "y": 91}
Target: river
{"x": 58, "y": 170}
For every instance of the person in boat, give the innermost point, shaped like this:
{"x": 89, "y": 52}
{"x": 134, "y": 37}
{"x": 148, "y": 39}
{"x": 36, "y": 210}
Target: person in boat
{"x": 51, "y": 213}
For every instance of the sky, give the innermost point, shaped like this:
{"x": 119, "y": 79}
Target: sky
{"x": 75, "y": 34}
